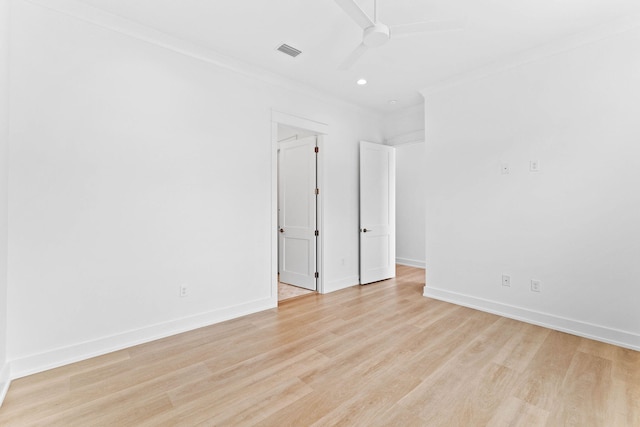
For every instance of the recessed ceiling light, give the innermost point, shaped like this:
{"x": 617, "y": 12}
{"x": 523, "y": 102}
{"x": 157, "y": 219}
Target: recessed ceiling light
{"x": 362, "y": 82}
{"x": 393, "y": 102}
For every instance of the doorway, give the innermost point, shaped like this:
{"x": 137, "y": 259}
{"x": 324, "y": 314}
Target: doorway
{"x": 297, "y": 237}
{"x": 297, "y": 212}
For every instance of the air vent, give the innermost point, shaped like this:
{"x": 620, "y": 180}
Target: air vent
{"x": 291, "y": 51}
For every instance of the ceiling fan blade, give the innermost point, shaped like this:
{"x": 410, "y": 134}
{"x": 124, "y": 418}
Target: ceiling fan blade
{"x": 425, "y": 27}
{"x": 355, "y": 12}
{"x": 353, "y": 57}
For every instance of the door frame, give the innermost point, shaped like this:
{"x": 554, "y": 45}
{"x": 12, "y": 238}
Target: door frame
{"x": 321, "y": 130}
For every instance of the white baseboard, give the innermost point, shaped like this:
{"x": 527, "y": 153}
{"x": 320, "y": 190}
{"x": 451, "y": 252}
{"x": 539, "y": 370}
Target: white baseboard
{"x": 5, "y": 381}
{"x": 336, "y": 285}
{"x": 63, "y": 356}
{"x": 411, "y": 262}
{"x": 575, "y": 327}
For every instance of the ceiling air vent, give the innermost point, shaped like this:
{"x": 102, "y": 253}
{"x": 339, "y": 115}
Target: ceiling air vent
{"x": 291, "y": 51}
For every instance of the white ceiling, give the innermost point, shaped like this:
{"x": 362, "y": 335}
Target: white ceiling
{"x": 250, "y": 30}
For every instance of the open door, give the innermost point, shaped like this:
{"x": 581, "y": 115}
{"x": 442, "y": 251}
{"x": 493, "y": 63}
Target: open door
{"x": 377, "y": 212}
{"x": 297, "y": 200}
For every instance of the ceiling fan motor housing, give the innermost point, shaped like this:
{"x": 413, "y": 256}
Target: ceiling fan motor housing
{"x": 376, "y": 35}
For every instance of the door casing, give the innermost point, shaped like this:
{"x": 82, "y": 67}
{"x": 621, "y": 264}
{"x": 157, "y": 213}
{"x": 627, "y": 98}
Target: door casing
{"x": 321, "y": 130}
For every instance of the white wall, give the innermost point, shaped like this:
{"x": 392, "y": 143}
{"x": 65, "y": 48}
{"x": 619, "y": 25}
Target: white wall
{"x": 4, "y": 118}
{"x": 573, "y": 225}
{"x": 135, "y": 168}
{"x": 404, "y": 126}
{"x": 404, "y": 129}
{"x": 410, "y": 204}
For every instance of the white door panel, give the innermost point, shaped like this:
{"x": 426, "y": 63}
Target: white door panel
{"x": 377, "y": 212}
{"x": 297, "y": 212}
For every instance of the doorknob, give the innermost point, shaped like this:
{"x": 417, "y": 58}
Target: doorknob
{"x": 282, "y": 230}
{"x": 364, "y": 230}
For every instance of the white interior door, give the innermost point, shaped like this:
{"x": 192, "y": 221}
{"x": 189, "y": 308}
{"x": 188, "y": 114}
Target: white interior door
{"x": 297, "y": 212}
{"x": 377, "y": 212}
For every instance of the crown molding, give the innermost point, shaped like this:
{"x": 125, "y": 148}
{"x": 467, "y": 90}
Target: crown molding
{"x": 407, "y": 138}
{"x": 575, "y": 41}
{"x": 118, "y": 24}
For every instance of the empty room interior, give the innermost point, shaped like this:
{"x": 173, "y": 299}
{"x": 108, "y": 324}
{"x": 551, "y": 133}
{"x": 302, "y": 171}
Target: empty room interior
{"x": 453, "y": 185}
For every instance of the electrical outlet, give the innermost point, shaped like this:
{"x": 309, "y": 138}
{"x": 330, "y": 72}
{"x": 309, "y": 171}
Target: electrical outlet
{"x": 534, "y": 166}
{"x": 506, "y": 280}
{"x": 535, "y": 285}
{"x": 184, "y": 290}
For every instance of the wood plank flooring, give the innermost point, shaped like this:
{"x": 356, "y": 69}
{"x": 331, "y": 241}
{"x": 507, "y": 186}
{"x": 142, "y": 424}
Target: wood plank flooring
{"x": 376, "y": 355}
{"x": 286, "y": 291}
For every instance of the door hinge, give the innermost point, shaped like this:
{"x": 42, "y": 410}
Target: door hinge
{"x": 316, "y": 149}
{"x": 317, "y": 233}
{"x": 317, "y": 191}
{"x": 316, "y": 275}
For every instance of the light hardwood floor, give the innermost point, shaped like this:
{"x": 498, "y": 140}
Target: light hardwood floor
{"x": 376, "y": 355}
{"x": 286, "y": 291}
